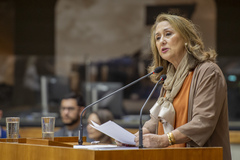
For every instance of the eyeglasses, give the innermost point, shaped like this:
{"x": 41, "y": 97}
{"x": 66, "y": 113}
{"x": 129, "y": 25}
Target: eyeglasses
{"x": 70, "y": 109}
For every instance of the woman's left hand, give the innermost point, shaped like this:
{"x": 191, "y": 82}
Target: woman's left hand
{"x": 153, "y": 141}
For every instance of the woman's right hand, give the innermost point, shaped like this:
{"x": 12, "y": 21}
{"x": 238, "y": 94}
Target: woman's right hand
{"x": 118, "y": 143}
{"x": 145, "y": 131}
{"x": 123, "y": 144}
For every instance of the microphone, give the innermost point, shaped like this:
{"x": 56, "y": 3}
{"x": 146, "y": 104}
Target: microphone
{"x": 80, "y": 135}
{"x": 162, "y": 78}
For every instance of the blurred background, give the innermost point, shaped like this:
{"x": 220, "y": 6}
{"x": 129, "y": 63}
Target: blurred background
{"x": 49, "y": 48}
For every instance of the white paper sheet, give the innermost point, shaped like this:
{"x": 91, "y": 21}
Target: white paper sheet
{"x": 103, "y": 147}
{"x": 94, "y": 146}
{"x": 115, "y": 131}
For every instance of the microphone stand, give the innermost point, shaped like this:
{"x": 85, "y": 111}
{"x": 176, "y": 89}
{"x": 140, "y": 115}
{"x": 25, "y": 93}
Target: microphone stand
{"x": 162, "y": 78}
{"x": 80, "y": 135}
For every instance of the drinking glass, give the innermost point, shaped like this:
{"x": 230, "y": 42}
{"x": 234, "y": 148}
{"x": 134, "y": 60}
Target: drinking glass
{"x": 48, "y": 124}
{"x": 12, "y": 125}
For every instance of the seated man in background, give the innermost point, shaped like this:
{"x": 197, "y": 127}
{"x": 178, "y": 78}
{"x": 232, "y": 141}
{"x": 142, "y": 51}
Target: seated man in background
{"x": 71, "y": 108}
{"x": 2, "y": 132}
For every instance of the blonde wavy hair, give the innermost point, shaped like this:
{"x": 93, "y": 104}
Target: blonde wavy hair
{"x": 190, "y": 34}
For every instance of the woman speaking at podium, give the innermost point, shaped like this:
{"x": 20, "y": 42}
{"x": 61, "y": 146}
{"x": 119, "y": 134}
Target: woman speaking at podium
{"x": 192, "y": 109}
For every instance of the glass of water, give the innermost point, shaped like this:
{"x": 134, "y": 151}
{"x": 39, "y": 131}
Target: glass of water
{"x": 12, "y": 125}
{"x": 48, "y": 124}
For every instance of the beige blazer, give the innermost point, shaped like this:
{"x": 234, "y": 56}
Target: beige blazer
{"x": 207, "y": 110}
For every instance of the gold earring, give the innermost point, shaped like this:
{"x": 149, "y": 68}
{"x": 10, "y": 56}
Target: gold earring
{"x": 186, "y": 47}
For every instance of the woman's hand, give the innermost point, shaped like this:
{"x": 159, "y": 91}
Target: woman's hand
{"x": 153, "y": 140}
{"x": 119, "y": 143}
{"x": 145, "y": 131}
{"x": 122, "y": 144}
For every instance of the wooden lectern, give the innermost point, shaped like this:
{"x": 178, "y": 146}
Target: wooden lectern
{"x": 62, "y": 149}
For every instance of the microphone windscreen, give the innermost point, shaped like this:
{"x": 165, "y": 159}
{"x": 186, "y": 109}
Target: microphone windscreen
{"x": 163, "y": 77}
{"x": 158, "y": 69}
